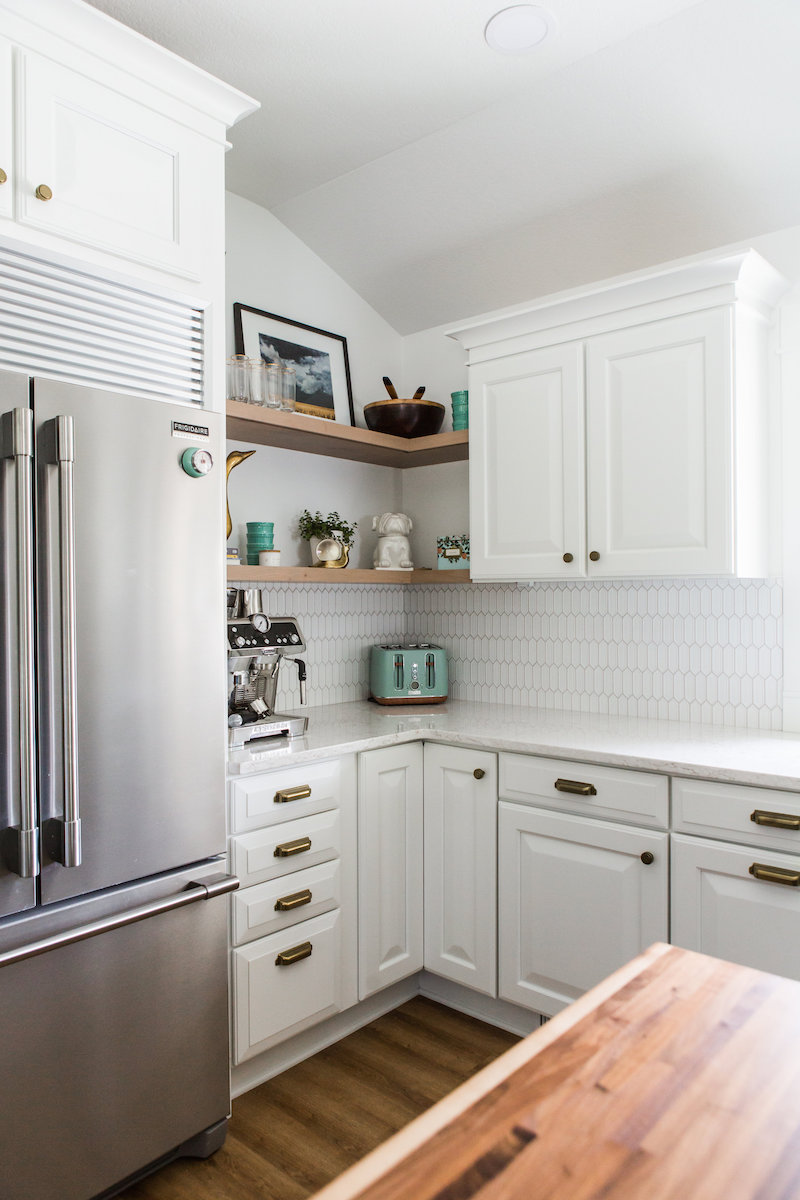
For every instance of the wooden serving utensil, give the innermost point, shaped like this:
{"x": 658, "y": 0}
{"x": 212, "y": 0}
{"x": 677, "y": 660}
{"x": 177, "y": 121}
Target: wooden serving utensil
{"x": 387, "y": 383}
{"x": 418, "y": 394}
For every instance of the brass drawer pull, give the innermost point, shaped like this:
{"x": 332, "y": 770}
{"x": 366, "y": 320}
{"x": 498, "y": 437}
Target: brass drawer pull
{"x": 287, "y": 849}
{"x": 285, "y": 795}
{"x": 296, "y": 954}
{"x": 775, "y": 874}
{"x": 296, "y": 900}
{"x": 776, "y": 820}
{"x": 574, "y": 788}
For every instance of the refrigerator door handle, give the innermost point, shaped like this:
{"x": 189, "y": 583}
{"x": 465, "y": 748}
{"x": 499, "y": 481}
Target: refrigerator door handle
{"x": 20, "y": 844}
{"x": 206, "y": 889}
{"x": 63, "y": 836}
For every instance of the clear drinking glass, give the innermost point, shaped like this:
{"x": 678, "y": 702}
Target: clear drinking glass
{"x": 288, "y": 384}
{"x": 273, "y": 399}
{"x": 258, "y": 383}
{"x": 238, "y": 372}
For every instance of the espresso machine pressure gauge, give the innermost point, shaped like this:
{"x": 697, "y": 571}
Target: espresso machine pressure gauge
{"x": 260, "y": 622}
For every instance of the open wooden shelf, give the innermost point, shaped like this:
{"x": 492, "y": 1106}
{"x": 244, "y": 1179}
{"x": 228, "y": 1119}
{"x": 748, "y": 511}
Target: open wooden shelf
{"x": 242, "y": 574}
{"x": 313, "y": 435}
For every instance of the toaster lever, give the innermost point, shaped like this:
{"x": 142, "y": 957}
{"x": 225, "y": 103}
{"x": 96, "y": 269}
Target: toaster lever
{"x": 430, "y": 671}
{"x": 399, "y": 673}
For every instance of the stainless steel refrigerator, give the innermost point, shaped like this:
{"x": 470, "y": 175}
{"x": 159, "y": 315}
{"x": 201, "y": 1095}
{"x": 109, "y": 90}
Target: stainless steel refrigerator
{"x": 113, "y": 917}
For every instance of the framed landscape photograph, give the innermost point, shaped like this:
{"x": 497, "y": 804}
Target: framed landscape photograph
{"x": 318, "y": 357}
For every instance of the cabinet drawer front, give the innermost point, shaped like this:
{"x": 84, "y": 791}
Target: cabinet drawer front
{"x": 261, "y": 800}
{"x": 723, "y": 810}
{"x": 253, "y": 856}
{"x": 720, "y": 908}
{"x": 619, "y": 795}
{"x": 301, "y": 895}
{"x": 273, "y": 1002}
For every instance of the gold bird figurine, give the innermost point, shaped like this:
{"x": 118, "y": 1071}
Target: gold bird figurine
{"x": 234, "y": 458}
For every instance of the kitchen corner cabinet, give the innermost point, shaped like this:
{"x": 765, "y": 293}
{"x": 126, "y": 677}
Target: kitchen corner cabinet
{"x": 390, "y": 879}
{"x": 461, "y": 865}
{"x": 578, "y": 896}
{"x": 635, "y": 444}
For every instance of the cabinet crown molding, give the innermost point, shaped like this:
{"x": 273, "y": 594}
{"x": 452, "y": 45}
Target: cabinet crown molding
{"x": 741, "y": 276}
{"x": 83, "y": 29}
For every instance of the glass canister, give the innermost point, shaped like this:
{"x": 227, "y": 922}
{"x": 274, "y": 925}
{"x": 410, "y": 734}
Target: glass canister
{"x": 238, "y": 378}
{"x": 288, "y": 388}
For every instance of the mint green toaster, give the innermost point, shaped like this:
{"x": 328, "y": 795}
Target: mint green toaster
{"x": 413, "y": 673}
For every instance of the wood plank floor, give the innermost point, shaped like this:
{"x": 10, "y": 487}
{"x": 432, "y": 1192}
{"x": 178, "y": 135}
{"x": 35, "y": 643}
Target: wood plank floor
{"x": 292, "y": 1135}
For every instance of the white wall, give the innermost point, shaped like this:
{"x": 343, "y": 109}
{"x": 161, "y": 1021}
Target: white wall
{"x": 269, "y": 268}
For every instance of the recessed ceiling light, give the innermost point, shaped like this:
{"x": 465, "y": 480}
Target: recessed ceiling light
{"x": 517, "y": 29}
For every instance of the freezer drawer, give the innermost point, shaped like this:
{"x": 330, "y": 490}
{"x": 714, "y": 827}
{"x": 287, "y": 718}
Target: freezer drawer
{"x": 115, "y": 1047}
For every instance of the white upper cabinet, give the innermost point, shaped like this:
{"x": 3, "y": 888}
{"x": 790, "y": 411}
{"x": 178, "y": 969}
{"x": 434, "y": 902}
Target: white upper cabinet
{"x": 624, "y": 432}
{"x": 118, "y": 175}
{"x": 113, "y": 147}
{"x": 659, "y": 448}
{"x": 527, "y": 498}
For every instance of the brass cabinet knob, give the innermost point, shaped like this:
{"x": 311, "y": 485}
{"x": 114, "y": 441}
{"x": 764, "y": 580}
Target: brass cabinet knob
{"x": 567, "y": 557}
{"x": 478, "y": 773}
{"x": 43, "y": 192}
{"x": 3, "y": 176}
{"x": 648, "y": 857}
{"x": 594, "y": 556}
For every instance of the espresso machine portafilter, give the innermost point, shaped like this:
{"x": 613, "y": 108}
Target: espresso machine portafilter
{"x": 257, "y": 645}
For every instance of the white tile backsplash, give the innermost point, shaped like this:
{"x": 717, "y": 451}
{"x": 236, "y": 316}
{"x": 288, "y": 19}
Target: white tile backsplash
{"x": 708, "y": 651}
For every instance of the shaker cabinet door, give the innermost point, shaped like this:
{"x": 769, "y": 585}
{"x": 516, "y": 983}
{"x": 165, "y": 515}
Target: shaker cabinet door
{"x": 576, "y": 901}
{"x": 6, "y": 132}
{"x": 98, "y": 168}
{"x": 461, "y": 866}
{"x": 527, "y": 465}
{"x": 389, "y": 866}
{"x": 659, "y": 448}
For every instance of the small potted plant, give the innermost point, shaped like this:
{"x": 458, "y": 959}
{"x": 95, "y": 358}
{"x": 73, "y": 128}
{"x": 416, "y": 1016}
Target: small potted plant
{"x": 330, "y": 538}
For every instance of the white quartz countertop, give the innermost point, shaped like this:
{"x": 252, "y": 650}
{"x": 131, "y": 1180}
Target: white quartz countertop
{"x": 671, "y": 747}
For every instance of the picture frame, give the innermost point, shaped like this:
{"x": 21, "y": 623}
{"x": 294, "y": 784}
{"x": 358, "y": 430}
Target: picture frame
{"x": 319, "y": 357}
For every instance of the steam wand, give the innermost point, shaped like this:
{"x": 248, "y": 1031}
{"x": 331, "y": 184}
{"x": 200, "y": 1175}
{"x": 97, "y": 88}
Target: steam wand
{"x": 301, "y": 677}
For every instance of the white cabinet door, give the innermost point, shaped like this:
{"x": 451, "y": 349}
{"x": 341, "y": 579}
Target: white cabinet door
{"x": 720, "y": 908}
{"x": 461, "y": 866}
{"x": 389, "y": 866}
{"x": 124, "y": 178}
{"x": 6, "y": 132}
{"x": 527, "y": 465}
{"x": 576, "y": 901}
{"x": 659, "y": 448}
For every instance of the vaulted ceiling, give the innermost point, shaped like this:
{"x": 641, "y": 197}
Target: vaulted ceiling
{"x": 441, "y": 179}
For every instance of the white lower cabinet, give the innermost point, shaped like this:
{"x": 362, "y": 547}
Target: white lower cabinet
{"x": 389, "y": 866}
{"x": 737, "y": 903}
{"x": 461, "y": 865}
{"x": 294, "y": 925}
{"x": 578, "y": 897}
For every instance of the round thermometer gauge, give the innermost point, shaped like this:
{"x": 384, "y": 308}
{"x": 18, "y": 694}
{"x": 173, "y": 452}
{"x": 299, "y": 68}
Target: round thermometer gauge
{"x": 260, "y": 623}
{"x": 196, "y": 461}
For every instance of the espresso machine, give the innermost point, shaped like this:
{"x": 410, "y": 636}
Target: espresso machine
{"x": 257, "y": 645}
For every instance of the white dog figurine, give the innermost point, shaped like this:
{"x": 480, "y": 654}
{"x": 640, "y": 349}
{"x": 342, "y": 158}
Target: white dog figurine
{"x": 393, "y": 552}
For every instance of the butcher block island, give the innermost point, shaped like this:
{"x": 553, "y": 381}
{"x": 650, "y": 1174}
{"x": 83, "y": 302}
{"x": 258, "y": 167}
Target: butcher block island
{"x": 677, "y": 1077}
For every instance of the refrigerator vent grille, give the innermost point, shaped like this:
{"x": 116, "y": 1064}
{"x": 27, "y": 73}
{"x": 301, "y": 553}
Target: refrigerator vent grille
{"x": 69, "y": 325}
